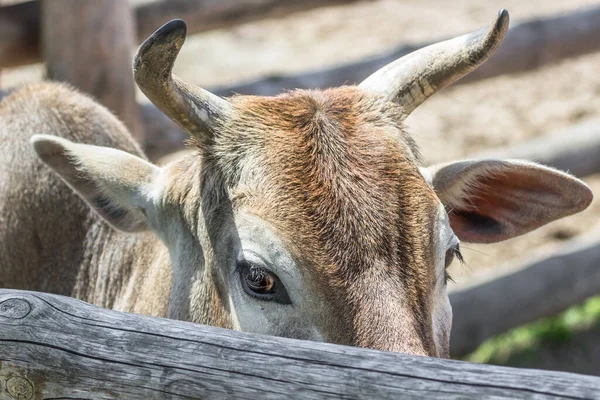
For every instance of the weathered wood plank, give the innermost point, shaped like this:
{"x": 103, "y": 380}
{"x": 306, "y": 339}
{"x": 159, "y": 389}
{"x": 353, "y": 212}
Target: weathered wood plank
{"x": 53, "y": 346}
{"x": 538, "y": 288}
{"x": 528, "y": 45}
{"x": 163, "y": 136}
{"x": 205, "y": 15}
{"x": 20, "y": 23}
{"x": 20, "y": 34}
{"x": 92, "y": 50}
{"x": 575, "y": 149}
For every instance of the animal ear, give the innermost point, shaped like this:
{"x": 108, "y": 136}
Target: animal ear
{"x": 493, "y": 200}
{"x": 116, "y": 184}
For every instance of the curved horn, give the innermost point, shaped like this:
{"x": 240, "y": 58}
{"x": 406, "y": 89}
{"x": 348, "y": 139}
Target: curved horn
{"x": 412, "y": 79}
{"x": 197, "y": 111}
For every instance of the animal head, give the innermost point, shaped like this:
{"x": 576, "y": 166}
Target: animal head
{"x": 309, "y": 214}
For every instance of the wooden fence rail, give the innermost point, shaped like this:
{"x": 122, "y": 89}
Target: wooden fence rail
{"x": 98, "y": 61}
{"x": 528, "y": 45}
{"x": 57, "y": 347}
{"x": 575, "y": 149}
{"x": 541, "y": 287}
{"x": 20, "y": 23}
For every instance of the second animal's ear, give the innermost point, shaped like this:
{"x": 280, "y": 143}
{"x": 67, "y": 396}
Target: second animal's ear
{"x": 116, "y": 184}
{"x": 493, "y": 200}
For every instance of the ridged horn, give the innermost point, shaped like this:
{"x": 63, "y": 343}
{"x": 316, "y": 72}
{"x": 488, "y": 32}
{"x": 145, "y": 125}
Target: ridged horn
{"x": 196, "y": 110}
{"x": 412, "y": 79}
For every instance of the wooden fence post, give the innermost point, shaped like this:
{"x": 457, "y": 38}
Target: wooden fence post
{"x": 89, "y": 44}
{"x": 58, "y": 347}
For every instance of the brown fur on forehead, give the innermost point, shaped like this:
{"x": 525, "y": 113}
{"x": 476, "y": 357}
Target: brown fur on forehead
{"x": 257, "y": 117}
{"x": 337, "y": 175}
{"x": 339, "y": 170}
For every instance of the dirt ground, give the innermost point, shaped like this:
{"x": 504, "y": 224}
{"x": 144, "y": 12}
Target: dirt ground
{"x": 453, "y": 124}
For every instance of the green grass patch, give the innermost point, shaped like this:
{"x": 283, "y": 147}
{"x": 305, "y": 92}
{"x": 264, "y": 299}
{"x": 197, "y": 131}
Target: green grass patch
{"x": 523, "y": 344}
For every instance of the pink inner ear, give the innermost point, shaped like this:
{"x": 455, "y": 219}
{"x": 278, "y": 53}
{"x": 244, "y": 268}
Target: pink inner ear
{"x": 507, "y": 204}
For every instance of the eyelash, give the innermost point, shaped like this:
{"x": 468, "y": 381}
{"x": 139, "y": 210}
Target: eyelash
{"x": 455, "y": 253}
{"x": 448, "y": 278}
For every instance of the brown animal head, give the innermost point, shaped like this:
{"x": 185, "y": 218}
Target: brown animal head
{"x": 308, "y": 214}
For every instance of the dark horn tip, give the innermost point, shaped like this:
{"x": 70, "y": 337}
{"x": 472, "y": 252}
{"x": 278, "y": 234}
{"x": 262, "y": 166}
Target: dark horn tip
{"x": 166, "y": 40}
{"x": 485, "y": 41}
{"x": 173, "y": 28}
{"x": 502, "y": 21}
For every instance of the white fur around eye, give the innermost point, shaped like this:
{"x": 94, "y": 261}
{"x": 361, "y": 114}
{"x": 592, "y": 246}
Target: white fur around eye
{"x": 442, "y": 311}
{"x": 261, "y": 245}
{"x": 444, "y": 240}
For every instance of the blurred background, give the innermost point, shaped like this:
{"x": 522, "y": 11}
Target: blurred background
{"x": 527, "y": 302}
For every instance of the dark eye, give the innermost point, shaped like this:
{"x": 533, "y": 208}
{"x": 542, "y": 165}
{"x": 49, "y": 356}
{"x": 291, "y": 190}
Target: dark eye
{"x": 261, "y": 283}
{"x": 451, "y": 253}
{"x": 449, "y": 257}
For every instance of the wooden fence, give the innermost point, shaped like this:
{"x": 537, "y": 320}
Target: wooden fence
{"x": 481, "y": 310}
{"x": 539, "y": 288}
{"x": 545, "y": 285}
{"x": 528, "y": 45}
{"x": 57, "y": 347}
{"x": 92, "y": 48}
{"x": 20, "y": 23}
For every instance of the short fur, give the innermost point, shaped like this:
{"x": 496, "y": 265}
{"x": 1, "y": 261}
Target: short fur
{"x": 337, "y": 168}
{"x": 329, "y": 180}
{"x": 50, "y": 239}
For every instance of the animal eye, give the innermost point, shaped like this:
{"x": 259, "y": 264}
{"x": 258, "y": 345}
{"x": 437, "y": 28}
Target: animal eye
{"x": 261, "y": 283}
{"x": 451, "y": 253}
{"x": 449, "y": 257}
